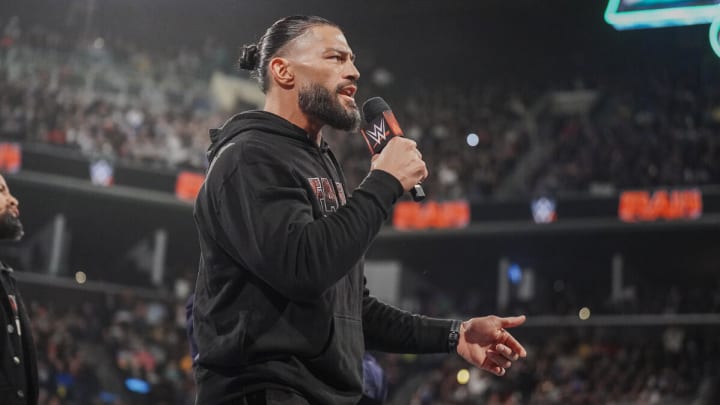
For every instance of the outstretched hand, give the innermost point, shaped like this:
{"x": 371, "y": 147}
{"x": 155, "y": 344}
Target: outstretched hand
{"x": 486, "y": 344}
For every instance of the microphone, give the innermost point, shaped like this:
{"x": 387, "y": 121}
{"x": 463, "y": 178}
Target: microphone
{"x": 381, "y": 126}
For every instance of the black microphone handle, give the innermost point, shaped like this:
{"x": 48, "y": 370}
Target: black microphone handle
{"x": 417, "y": 192}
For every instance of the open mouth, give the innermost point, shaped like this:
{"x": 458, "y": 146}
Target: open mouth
{"x": 348, "y": 91}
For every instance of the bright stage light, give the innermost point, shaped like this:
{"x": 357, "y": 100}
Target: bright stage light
{"x": 463, "y": 376}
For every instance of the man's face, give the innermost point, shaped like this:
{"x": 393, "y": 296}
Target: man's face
{"x": 10, "y": 225}
{"x": 326, "y": 77}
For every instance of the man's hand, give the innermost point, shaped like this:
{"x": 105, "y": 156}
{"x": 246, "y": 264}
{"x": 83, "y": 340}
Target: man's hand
{"x": 401, "y": 158}
{"x": 486, "y": 344}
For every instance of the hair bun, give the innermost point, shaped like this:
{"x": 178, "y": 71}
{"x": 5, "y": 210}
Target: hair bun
{"x": 249, "y": 57}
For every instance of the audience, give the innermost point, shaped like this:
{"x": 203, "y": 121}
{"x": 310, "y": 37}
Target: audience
{"x": 588, "y": 366}
{"x": 88, "y": 354}
{"x": 112, "y": 99}
{"x": 658, "y": 129}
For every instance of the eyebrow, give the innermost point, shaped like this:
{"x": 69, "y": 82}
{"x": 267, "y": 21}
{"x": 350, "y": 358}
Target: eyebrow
{"x": 342, "y": 51}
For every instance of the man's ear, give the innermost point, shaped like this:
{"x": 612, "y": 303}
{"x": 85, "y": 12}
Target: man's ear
{"x": 281, "y": 72}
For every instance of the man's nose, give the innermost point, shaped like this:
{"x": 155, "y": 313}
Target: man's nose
{"x": 352, "y": 72}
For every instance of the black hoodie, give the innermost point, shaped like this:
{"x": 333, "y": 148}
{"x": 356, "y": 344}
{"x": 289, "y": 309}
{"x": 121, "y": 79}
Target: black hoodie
{"x": 280, "y": 298}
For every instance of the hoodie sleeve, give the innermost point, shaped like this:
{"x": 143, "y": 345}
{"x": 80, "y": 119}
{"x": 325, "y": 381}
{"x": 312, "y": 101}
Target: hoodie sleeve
{"x": 267, "y": 224}
{"x": 392, "y": 330}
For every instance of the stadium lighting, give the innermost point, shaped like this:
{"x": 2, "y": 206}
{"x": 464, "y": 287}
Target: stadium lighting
{"x": 463, "y": 376}
{"x": 472, "y": 140}
{"x": 80, "y": 277}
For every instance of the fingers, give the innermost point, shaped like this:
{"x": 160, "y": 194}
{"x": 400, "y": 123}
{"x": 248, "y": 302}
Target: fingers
{"x": 423, "y": 172}
{"x": 509, "y": 341}
{"x": 492, "y": 366}
{"x": 506, "y": 352}
{"x": 420, "y": 171}
{"x": 498, "y": 359}
{"x": 512, "y": 321}
{"x": 403, "y": 160}
{"x": 498, "y": 371}
{"x": 407, "y": 142}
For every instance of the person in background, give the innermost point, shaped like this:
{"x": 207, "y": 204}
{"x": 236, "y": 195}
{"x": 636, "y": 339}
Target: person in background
{"x": 18, "y": 359}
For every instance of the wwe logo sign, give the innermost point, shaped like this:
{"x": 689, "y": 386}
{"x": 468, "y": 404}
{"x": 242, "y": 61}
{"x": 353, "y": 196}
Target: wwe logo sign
{"x": 378, "y": 134}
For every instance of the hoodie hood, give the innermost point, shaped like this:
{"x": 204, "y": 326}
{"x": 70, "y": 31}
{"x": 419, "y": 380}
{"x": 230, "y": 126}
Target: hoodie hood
{"x": 262, "y": 121}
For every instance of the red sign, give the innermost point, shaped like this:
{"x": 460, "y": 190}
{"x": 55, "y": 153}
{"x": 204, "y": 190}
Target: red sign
{"x": 441, "y": 215}
{"x": 188, "y": 185}
{"x": 661, "y": 204}
{"x": 10, "y": 157}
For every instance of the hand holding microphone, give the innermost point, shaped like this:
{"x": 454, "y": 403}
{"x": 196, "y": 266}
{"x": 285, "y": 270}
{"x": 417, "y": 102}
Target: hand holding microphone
{"x": 401, "y": 158}
{"x": 392, "y": 153}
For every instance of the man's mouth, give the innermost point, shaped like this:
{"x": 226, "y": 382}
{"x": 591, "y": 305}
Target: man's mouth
{"x": 348, "y": 91}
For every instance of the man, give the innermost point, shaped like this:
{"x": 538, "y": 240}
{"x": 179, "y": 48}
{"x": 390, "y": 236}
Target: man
{"x": 281, "y": 314}
{"x": 18, "y": 377}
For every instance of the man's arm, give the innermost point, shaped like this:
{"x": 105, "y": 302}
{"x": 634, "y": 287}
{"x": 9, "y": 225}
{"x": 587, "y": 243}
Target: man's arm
{"x": 267, "y": 224}
{"x": 481, "y": 341}
{"x": 393, "y": 330}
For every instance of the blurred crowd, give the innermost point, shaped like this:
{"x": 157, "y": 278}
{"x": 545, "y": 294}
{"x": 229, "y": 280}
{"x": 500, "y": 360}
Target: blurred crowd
{"x": 602, "y": 365}
{"x": 94, "y": 352}
{"x": 657, "y": 128}
{"x": 112, "y": 99}
{"x": 149, "y": 343}
{"x": 471, "y": 137}
{"x": 62, "y": 338}
{"x": 129, "y": 350}
{"x": 664, "y": 363}
{"x": 563, "y": 295}
{"x": 106, "y": 99}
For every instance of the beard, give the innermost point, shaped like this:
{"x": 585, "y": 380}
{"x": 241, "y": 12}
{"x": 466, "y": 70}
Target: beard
{"x": 316, "y": 101}
{"x": 10, "y": 227}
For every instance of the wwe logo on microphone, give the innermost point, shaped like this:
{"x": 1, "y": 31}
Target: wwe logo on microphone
{"x": 379, "y": 128}
{"x": 377, "y": 133}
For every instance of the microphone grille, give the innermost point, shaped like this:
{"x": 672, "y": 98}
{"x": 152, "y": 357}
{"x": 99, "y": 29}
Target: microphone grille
{"x": 373, "y": 108}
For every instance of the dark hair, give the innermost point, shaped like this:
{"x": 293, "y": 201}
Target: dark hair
{"x": 256, "y": 57}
